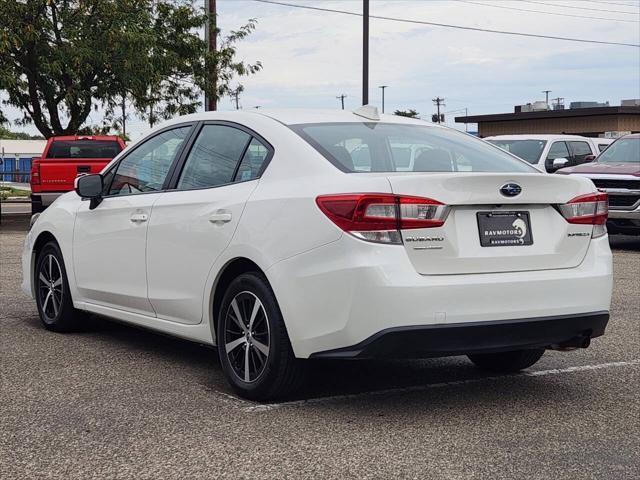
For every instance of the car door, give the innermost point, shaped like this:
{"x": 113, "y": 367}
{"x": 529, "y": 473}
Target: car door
{"x": 557, "y": 149}
{"x": 109, "y": 241}
{"x": 194, "y": 222}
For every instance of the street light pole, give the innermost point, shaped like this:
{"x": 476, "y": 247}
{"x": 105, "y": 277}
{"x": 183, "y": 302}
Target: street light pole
{"x": 365, "y": 52}
{"x": 382, "y": 87}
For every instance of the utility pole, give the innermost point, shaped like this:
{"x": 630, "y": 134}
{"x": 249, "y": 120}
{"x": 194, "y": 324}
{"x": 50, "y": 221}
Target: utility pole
{"x": 547, "y": 92}
{"x": 438, "y": 102}
{"x": 382, "y": 87}
{"x": 558, "y": 101}
{"x": 341, "y": 98}
{"x": 124, "y": 116}
{"x": 365, "y": 52}
{"x": 211, "y": 101}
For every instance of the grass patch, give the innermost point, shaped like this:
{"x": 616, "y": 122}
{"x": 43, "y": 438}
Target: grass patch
{"x": 6, "y": 192}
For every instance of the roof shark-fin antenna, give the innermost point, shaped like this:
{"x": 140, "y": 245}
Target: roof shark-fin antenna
{"x": 367, "y": 111}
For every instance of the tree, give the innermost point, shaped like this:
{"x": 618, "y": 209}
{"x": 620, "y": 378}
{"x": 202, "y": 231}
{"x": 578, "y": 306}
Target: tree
{"x": 59, "y": 59}
{"x": 9, "y": 135}
{"x": 411, "y": 113}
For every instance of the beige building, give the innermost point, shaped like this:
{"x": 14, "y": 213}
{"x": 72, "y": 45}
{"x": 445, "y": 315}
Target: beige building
{"x": 589, "y": 122}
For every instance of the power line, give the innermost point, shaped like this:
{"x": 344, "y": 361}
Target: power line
{"x": 546, "y": 13}
{"x": 579, "y": 8}
{"x": 445, "y": 25}
{"x": 614, "y": 3}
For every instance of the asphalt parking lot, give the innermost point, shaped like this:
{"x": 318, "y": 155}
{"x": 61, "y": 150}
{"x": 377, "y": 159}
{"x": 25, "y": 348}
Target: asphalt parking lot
{"x": 117, "y": 402}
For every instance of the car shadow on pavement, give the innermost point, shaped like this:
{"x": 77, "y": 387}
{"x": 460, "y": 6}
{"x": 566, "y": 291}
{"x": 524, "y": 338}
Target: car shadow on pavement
{"x": 326, "y": 378}
{"x": 625, "y": 242}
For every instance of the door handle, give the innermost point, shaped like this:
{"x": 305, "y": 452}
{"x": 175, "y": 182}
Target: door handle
{"x": 220, "y": 217}
{"x": 139, "y": 217}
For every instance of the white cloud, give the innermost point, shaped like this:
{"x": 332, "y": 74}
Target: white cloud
{"x": 310, "y": 57}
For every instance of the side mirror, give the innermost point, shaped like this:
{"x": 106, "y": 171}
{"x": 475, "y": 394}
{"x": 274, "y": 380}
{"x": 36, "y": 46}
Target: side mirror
{"x": 560, "y": 162}
{"x": 90, "y": 186}
{"x": 589, "y": 158}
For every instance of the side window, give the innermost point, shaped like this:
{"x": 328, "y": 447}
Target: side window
{"x": 213, "y": 157}
{"x": 252, "y": 161}
{"x": 580, "y": 150}
{"x": 557, "y": 150}
{"x": 145, "y": 168}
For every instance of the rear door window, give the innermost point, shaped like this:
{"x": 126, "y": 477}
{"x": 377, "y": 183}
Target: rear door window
{"x": 579, "y": 152}
{"x": 214, "y": 157}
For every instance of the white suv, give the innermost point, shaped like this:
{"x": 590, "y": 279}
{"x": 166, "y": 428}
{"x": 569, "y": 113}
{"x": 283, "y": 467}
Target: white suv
{"x": 551, "y": 152}
{"x": 257, "y": 232}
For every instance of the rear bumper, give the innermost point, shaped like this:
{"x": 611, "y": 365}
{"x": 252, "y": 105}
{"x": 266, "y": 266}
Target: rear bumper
{"x": 347, "y": 291}
{"x": 477, "y": 337}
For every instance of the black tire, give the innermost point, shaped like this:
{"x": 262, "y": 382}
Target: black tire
{"x": 53, "y": 297}
{"x": 36, "y": 206}
{"x": 274, "y": 375}
{"x": 507, "y": 362}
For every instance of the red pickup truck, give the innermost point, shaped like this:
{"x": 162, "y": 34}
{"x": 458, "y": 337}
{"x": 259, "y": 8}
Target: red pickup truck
{"x": 63, "y": 159}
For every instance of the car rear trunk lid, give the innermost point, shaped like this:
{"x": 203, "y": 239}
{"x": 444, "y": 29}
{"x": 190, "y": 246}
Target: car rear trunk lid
{"x": 480, "y": 234}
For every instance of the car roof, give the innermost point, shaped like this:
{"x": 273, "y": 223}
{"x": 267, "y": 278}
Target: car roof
{"x": 297, "y": 116}
{"x": 300, "y": 116}
{"x": 538, "y": 137}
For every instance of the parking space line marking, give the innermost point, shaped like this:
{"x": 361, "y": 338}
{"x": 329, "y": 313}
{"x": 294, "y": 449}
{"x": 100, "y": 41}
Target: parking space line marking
{"x": 420, "y": 388}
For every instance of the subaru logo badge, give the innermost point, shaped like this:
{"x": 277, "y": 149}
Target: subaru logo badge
{"x": 510, "y": 189}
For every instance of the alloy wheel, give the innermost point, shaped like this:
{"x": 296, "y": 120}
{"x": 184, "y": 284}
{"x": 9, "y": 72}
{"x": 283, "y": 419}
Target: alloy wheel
{"x": 50, "y": 290}
{"x": 247, "y": 336}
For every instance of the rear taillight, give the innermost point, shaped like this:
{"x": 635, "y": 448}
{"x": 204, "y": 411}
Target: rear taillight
{"x": 590, "y": 209}
{"x": 35, "y": 172}
{"x": 379, "y": 217}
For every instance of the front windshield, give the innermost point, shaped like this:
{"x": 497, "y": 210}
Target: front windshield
{"x": 389, "y": 147}
{"x": 529, "y": 150}
{"x": 625, "y": 150}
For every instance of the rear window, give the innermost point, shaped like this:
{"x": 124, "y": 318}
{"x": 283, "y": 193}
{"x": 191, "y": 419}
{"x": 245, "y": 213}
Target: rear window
{"x": 84, "y": 149}
{"x": 387, "y": 147}
{"x": 529, "y": 150}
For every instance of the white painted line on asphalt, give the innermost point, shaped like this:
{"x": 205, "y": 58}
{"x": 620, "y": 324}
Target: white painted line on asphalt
{"x": 420, "y": 388}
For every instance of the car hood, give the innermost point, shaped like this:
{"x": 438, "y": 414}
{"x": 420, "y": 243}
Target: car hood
{"x": 604, "y": 168}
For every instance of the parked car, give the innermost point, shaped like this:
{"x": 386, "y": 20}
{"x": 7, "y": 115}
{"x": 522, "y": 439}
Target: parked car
{"x": 549, "y": 152}
{"x": 63, "y": 159}
{"x": 617, "y": 172}
{"x": 602, "y": 143}
{"x": 258, "y": 233}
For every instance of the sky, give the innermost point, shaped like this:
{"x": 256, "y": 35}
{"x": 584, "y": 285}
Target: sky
{"x": 310, "y": 57}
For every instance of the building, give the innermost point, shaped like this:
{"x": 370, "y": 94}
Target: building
{"x": 16, "y": 156}
{"x": 589, "y": 122}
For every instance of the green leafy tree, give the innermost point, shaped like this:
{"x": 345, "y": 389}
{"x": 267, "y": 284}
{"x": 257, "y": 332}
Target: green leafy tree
{"x": 9, "y": 135}
{"x": 411, "y": 113}
{"x": 59, "y": 59}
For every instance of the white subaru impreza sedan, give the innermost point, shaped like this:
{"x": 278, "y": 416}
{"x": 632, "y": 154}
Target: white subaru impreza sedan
{"x": 280, "y": 236}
